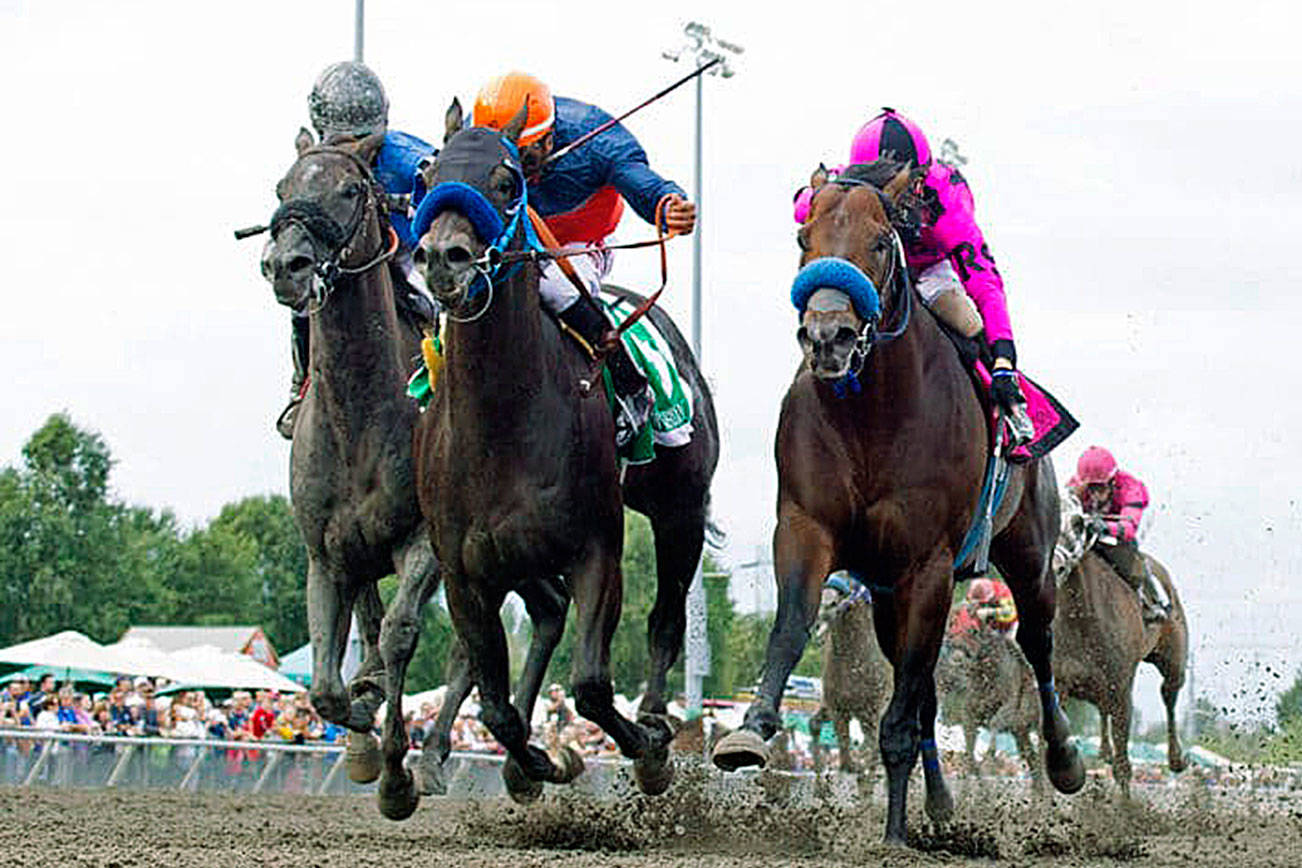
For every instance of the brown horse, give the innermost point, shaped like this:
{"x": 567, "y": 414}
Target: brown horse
{"x": 985, "y": 682}
{"x": 856, "y": 677}
{"x": 881, "y": 450}
{"x": 352, "y": 480}
{"x": 1102, "y": 637}
{"x": 522, "y": 457}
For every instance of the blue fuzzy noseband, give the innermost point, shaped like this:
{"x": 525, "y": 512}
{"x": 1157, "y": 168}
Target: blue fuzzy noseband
{"x": 832, "y": 272}
{"x": 461, "y": 197}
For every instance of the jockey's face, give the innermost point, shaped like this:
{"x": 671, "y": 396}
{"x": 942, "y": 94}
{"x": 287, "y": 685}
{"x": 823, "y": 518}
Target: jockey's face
{"x": 532, "y": 157}
{"x": 1096, "y": 496}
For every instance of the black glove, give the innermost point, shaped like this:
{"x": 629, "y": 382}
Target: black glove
{"x": 1099, "y": 526}
{"x": 1005, "y": 389}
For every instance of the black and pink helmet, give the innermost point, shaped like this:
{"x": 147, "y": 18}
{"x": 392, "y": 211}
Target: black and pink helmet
{"x": 893, "y": 136}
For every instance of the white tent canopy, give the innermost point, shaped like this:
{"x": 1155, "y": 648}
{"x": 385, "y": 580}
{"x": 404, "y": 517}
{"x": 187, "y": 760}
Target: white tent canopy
{"x": 209, "y": 666}
{"x": 66, "y": 650}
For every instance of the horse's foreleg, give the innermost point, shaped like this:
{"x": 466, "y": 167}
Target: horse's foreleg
{"x": 329, "y": 611}
{"x": 802, "y": 560}
{"x": 547, "y": 602}
{"x": 1171, "y": 684}
{"x": 816, "y": 724}
{"x": 910, "y": 625}
{"x": 1105, "y": 736}
{"x": 438, "y": 741}
{"x": 939, "y": 804}
{"x": 367, "y": 686}
{"x": 841, "y": 723}
{"x": 478, "y": 621}
{"x": 1120, "y": 715}
{"x": 400, "y": 631}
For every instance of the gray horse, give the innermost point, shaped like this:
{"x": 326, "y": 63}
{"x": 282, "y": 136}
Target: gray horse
{"x": 856, "y": 676}
{"x": 351, "y": 475}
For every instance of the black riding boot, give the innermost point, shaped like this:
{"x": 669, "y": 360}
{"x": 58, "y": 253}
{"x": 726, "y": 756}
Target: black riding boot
{"x": 299, "y": 348}
{"x": 633, "y": 393}
{"x": 1132, "y": 566}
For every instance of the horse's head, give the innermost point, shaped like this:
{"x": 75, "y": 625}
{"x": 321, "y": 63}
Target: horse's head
{"x": 329, "y": 219}
{"x": 473, "y": 210}
{"x": 851, "y": 256}
{"x": 1075, "y": 537}
{"x": 842, "y": 593}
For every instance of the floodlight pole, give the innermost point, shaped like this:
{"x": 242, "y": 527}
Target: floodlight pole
{"x": 701, "y": 48}
{"x": 359, "y": 29}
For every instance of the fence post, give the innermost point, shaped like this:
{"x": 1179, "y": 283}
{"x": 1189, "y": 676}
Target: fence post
{"x": 47, "y": 749}
{"x": 120, "y": 767}
{"x": 273, "y": 760}
{"x": 193, "y": 770}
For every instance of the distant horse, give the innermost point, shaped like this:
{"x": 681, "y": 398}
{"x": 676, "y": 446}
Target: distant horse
{"x": 881, "y": 450}
{"x": 1102, "y": 637}
{"x": 988, "y": 684}
{"x": 856, "y": 676}
{"x": 352, "y": 479}
{"x": 517, "y": 471}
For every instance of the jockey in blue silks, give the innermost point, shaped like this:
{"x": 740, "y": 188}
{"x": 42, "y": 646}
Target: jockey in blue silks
{"x": 580, "y": 195}
{"x": 348, "y": 102}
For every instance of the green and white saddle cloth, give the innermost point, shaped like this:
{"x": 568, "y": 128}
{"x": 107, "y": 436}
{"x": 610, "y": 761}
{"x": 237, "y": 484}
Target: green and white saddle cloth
{"x": 671, "y": 420}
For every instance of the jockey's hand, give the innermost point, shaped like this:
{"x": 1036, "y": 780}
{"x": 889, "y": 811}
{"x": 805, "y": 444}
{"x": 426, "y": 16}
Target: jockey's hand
{"x": 1099, "y": 526}
{"x": 1005, "y": 389}
{"x": 680, "y": 215}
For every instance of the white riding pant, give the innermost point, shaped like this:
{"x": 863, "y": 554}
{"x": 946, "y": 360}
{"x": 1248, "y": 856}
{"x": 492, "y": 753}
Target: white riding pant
{"x": 558, "y": 292}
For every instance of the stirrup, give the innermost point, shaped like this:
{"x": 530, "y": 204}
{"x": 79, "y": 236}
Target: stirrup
{"x": 285, "y": 421}
{"x": 1019, "y": 422}
{"x": 633, "y": 412}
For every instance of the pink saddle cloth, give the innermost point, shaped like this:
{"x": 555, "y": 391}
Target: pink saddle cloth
{"x": 1053, "y": 424}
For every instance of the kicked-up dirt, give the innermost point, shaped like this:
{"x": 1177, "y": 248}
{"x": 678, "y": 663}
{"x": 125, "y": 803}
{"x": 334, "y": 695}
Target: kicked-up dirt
{"x": 748, "y": 823}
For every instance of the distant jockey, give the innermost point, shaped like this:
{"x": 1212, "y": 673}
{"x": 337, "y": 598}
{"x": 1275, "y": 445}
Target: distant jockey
{"x": 581, "y": 197}
{"x": 953, "y": 269}
{"x": 1114, "y": 502}
{"x": 348, "y": 103}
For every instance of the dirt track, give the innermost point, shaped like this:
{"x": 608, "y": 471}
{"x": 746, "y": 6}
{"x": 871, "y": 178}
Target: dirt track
{"x": 1182, "y": 825}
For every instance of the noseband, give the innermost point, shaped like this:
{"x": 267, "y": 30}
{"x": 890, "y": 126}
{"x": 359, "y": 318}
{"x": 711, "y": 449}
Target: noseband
{"x": 330, "y": 237}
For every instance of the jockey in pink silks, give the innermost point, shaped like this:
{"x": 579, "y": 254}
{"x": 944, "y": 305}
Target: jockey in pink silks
{"x": 1114, "y": 502}
{"x": 955, "y": 273}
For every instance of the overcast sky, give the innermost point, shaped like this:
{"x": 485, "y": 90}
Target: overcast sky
{"x": 1134, "y": 168}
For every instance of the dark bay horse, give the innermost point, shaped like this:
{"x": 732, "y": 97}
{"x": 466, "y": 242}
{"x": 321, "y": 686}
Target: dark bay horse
{"x": 856, "y": 677}
{"x": 523, "y": 462}
{"x": 352, "y": 479}
{"x": 879, "y": 474}
{"x": 1101, "y": 640}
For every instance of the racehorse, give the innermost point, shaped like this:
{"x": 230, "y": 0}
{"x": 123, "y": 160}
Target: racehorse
{"x": 881, "y": 450}
{"x": 856, "y": 677}
{"x": 986, "y": 682}
{"x": 521, "y": 453}
{"x": 352, "y": 479}
{"x": 1102, "y": 637}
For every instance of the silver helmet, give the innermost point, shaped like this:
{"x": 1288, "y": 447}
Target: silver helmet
{"x": 347, "y": 100}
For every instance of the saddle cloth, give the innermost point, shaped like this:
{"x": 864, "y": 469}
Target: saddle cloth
{"x": 1053, "y": 424}
{"x": 670, "y": 423}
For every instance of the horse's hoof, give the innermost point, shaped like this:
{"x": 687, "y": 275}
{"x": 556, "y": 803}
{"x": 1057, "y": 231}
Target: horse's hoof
{"x": 397, "y": 796}
{"x": 522, "y": 789}
{"x": 430, "y": 776}
{"x": 740, "y": 749}
{"x": 939, "y": 805}
{"x": 363, "y": 758}
{"x": 1066, "y": 771}
{"x": 653, "y": 772}
{"x": 1178, "y": 762}
{"x": 568, "y": 763}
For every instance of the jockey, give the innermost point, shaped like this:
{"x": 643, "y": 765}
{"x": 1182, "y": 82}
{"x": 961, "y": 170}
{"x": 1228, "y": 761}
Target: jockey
{"x": 347, "y": 102}
{"x": 954, "y": 271}
{"x": 991, "y": 603}
{"x": 1114, "y": 502}
{"x": 581, "y": 197}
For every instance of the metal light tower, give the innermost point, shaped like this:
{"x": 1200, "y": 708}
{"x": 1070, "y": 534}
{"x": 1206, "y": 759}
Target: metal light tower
{"x": 359, "y": 28}
{"x": 701, "y": 48}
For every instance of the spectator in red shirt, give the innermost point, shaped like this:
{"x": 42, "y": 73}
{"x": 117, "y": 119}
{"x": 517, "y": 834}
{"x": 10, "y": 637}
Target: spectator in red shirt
{"x": 263, "y": 719}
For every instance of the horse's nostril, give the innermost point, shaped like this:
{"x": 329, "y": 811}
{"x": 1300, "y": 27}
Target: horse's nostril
{"x": 420, "y": 256}
{"x": 299, "y": 263}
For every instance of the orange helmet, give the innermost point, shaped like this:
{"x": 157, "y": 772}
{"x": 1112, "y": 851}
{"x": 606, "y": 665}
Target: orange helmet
{"x": 500, "y": 99}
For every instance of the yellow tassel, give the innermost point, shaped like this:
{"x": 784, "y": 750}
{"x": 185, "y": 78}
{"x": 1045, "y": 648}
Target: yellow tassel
{"x": 432, "y": 349}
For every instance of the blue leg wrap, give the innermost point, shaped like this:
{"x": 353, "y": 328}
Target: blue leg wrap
{"x": 930, "y": 756}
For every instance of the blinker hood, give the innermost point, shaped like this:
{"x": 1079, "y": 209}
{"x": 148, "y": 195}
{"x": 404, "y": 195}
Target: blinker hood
{"x": 463, "y": 170}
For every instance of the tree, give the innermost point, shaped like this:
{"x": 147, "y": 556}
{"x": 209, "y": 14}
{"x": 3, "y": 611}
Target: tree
{"x": 1288, "y": 708}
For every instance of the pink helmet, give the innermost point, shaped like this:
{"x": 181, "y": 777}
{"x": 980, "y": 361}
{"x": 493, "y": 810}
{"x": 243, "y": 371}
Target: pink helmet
{"x": 891, "y": 135}
{"x": 981, "y": 591}
{"x": 1096, "y": 465}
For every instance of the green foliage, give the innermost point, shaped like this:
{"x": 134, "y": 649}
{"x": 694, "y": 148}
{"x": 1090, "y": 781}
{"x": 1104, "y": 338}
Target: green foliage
{"x": 1288, "y": 708}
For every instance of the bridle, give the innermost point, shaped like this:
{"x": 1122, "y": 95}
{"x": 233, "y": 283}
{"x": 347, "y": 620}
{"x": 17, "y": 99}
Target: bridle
{"x": 332, "y": 241}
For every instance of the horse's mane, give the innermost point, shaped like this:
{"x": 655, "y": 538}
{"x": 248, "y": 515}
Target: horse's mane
{"x": 878, "y": 173}
{"x": 906, "y": 213}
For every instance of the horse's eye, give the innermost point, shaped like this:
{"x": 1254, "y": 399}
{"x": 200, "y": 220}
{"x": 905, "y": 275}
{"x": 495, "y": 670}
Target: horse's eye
{"x": 505, "y": 187}
{"x": 351, "y": 190}
{"x": 801, "y": 241}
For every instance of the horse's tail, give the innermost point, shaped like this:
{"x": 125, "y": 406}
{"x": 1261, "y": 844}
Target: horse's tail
{"x": 715, "y": 536}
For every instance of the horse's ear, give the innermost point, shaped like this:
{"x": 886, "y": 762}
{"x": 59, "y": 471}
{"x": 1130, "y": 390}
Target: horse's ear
{"x": 516, "y": 126}
{"x": 453, "y": 120}
{"x": 303, "y": 140}
{"x": 819, "y": 177}
{"x": 896, "y": 186}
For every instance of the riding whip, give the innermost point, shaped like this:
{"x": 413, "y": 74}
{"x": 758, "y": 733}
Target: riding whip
{"x": 700, "y": 70}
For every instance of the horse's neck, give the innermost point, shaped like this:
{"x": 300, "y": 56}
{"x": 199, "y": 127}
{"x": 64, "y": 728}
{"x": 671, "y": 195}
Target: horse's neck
{"x": 358, "y": 343}
{"x": 496, "y": 365}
